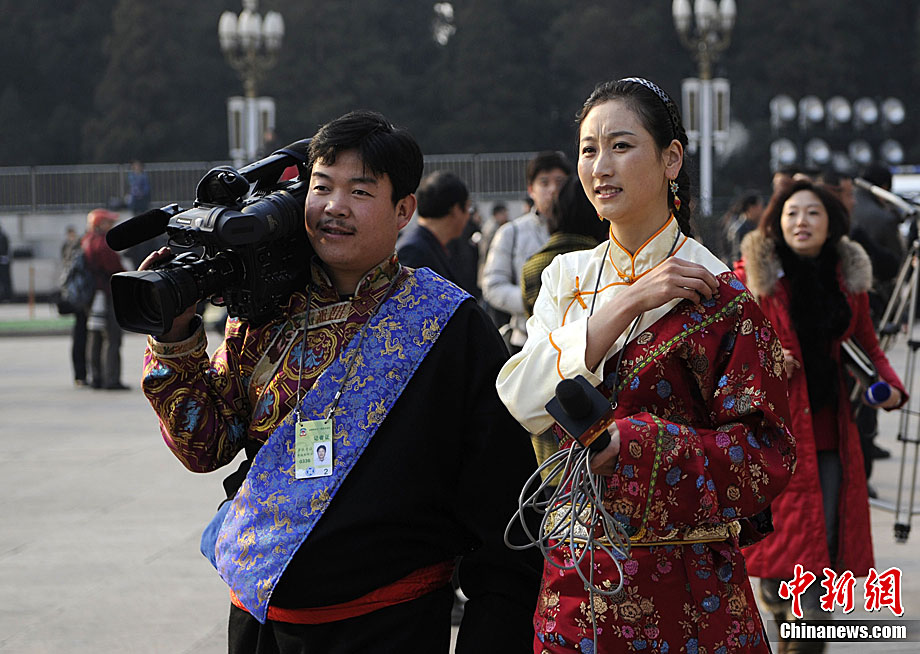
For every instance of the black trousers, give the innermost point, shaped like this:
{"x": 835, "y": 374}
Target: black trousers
{"x": 867, "y": 422}
{"x": 78, "y": 345}
{"x": 421, "y": 625}
{"x": 105, "y": 352}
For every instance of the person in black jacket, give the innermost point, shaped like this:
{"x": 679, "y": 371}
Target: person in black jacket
{"x": 443, "y": 213}
{"x": 393, "y": 368}
{"x": 6, "y": 285}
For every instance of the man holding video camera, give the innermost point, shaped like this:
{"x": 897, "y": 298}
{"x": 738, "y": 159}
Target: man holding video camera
{"x": 392, "y": 371}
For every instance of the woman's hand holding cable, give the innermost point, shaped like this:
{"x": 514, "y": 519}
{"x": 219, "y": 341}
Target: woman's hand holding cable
{"x": 673, "y": 279}
{"x": 605, "y": 461}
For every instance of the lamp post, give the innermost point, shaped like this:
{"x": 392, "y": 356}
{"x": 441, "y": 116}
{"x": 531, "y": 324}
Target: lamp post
{"x": 847, "y": 136}
{"x": 250, "y": 44}
{"x": 706, "y": 40}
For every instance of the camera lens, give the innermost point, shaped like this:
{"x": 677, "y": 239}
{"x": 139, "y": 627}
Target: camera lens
{"x": 148, "y": 307}
{"x": 144, "y": 301}
{"x": 147, "y": 301}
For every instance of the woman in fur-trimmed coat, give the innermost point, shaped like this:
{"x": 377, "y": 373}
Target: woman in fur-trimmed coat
{"x": 811, "y": 282}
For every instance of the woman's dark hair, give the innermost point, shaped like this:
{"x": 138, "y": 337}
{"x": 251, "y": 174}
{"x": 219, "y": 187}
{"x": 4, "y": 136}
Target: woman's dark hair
{"x": 573, "y": 212}
{"x": 383, "y": 148}
{"x": 838, "y": 220}
{"x": 661, "y": 117}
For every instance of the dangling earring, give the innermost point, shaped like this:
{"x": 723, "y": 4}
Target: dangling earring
{"x": 600, "y": 217}
{"x": 674, "y": 188}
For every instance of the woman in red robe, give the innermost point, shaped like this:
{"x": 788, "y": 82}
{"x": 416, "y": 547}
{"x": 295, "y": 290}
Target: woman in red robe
{"x": 699, "y": 445}
{"x": 811, "y": 282}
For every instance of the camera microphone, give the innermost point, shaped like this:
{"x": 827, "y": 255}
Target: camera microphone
{"x": 903, "y": 205}
{"x": 138, "y": 229}
{"x": 583, "y": 412}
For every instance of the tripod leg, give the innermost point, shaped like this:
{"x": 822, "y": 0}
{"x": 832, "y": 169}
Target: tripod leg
{"x": 904, "y": 514}
{"x": 895, "y": 310}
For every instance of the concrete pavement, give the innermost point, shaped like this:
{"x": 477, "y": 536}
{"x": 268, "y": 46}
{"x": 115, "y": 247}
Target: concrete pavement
{"x": 100, "y": 523}
{"x": 99, "y": 544}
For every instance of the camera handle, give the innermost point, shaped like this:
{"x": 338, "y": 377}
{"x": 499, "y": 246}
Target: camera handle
{"x": 222, "y": 185}
{"x": 227, "y": 186}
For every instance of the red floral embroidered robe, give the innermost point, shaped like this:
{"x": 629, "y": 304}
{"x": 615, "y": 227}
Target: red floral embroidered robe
{"x": 702, "y": 417}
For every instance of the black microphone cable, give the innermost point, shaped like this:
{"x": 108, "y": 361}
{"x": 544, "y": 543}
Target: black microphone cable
{"x": 572, "y": 516}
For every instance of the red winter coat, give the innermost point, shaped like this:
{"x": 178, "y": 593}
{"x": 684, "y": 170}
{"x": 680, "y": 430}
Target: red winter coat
{"x": 103, "y": 261}
{"x": 798, "y": 513}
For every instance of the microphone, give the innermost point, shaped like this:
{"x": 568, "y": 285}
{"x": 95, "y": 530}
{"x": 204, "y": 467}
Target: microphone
{"x": 138, "y": 229}
{"x": 877, "y": 393}
{"x": 906, "y": 207}
{"x": 583, "y": 412}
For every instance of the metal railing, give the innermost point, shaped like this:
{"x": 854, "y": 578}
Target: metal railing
{"x": 50, "y": 189}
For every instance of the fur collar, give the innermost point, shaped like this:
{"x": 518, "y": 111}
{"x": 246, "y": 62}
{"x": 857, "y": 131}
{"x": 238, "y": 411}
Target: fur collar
{"x": 762, "y": 265}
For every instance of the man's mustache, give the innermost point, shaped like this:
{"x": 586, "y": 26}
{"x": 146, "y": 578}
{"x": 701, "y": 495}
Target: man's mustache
{"x": 335, "y": 223}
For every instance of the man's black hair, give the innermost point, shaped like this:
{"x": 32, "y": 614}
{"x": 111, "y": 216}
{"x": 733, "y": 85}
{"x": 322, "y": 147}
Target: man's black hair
{"x": 877, "y": 174}
{"x": 546, "y": 161}
{"x": 573, "y": 212}
{"x": 831, "y": 177}
{"x": 439, "y": 192}
{"x": 789, "y": 170}
{"x": 383, "y": 147}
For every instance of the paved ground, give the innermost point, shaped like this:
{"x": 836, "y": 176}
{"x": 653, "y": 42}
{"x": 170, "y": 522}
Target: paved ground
{"x": 98, "y": 552}
{"x": 99, "y": 544}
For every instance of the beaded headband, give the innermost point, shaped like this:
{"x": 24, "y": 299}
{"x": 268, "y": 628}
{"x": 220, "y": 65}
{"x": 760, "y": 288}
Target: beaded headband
{"x": 673, "y": 113}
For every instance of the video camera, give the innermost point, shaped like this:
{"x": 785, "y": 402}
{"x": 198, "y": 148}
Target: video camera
{"x": 255, "y": 253}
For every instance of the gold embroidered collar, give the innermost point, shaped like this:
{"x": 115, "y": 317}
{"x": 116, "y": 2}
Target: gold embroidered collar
{"x": 630, "y": 267}
{"x": 368, "y": 290}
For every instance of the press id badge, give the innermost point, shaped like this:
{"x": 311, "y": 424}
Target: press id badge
{"x": 312, "y": 448}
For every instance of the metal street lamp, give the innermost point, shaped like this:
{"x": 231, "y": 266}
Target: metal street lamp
{"x": 811, "y": 111}
{"x": 860, "y": 152}
{"x": 782, "y": 153}
{"x": 892, "y": 153}
{"x": 893, "y": 112}
{"x": 838, "y": 111}
{"x": 250, "y": 44}
{"x": 817, "y": 152}
{"x": 782, "y": 110}
{"x": 871, "y": 119}
{"x": 711, "y": 36}
{"x": 866, "y": 112}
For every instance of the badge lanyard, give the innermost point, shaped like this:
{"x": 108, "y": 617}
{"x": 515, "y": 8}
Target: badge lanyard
{"x": 313, "y": 438}
{"x": 635, "y": 322}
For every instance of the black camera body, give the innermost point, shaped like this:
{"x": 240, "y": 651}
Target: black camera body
{"x": 254, "y": 249}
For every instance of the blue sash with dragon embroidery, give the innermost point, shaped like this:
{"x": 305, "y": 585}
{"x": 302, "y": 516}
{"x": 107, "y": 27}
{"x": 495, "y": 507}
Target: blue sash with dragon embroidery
{"x": 273, "y": 513}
